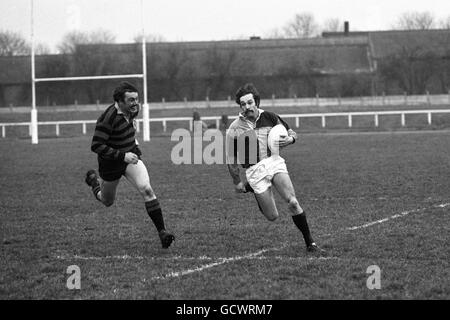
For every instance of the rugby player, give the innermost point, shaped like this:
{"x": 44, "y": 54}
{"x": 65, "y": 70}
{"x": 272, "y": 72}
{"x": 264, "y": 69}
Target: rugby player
{"x": 263, "y": 169}
{"x": 118, "y": 155}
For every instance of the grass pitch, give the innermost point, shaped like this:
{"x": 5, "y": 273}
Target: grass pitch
{"x": 371, "y": 198}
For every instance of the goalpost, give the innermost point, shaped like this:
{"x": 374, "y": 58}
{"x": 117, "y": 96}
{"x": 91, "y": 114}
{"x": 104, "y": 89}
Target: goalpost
{"x": 143, "y": 75}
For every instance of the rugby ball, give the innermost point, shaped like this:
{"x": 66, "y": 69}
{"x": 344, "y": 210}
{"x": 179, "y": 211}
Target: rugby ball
{"x": 277, "y": 132}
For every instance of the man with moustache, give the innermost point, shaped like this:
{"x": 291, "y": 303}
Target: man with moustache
{"x": 263, "y": 169}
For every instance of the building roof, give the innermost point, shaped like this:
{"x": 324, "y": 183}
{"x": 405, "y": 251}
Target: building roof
{"x": 386, "y": 43}
{"x": 389, "y": 42}
{"x": 14, "y": 70}
{"x": 334, "y": 53}
{"x": 268, "y": 56}
{"x": 17, "y": 69}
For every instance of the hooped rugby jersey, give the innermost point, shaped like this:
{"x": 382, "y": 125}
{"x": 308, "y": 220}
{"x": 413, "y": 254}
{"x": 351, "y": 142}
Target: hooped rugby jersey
{"x": 247, "y": 141}
{"x": 114, "y": 134}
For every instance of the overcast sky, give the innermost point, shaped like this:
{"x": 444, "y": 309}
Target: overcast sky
{"x": 199, "y": 20}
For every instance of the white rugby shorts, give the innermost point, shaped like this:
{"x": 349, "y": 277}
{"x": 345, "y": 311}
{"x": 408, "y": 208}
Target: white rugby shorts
{"x": 260, "y": 175}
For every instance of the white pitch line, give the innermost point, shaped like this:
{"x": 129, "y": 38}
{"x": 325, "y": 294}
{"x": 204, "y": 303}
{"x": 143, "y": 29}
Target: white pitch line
{"x": 255, "y": 255}
{"x": 77, "y": 257}
{"x": 250, "y": 255}
{"x": 292, "y": 258}
{"x": 211, "y": 265}
{"x": 442, "y": 205}
{"x": 395, "y": 216}
{"x": 356, "y": 198}
{"x": 127, "y": 257}
{"x": 381, "y": 198}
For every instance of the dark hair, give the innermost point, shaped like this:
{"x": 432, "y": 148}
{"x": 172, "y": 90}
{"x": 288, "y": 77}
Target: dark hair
{"x": 119, "y": 91}
{"x": 196, "y": 115}
{"x": 246, "y": 89}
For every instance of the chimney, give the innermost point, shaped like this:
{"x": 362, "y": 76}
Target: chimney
{"x": 346, "y": 28}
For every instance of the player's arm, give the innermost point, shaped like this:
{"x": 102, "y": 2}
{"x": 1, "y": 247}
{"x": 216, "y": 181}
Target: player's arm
{"x": 292, "y": 135}
{"x": 233, "y": 169}
{"x": 239, "y": 186}
{"x": 232, "y": 164}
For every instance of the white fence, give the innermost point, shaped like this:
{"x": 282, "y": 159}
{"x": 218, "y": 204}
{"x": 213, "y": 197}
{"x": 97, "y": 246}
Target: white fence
{"x": 217, "y": 119}
{"x": 398, "y": 100}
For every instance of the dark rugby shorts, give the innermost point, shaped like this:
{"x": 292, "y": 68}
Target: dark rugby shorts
{"x": 111, "y": 170}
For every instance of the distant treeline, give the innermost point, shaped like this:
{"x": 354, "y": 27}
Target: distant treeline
{"x": 197, "y": 71}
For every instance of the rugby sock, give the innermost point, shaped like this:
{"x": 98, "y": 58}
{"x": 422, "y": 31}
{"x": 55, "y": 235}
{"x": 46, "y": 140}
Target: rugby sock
{"x": 96, "y": 190}
{"x": 302, "y": 224}
{"x": 155, "y": 213}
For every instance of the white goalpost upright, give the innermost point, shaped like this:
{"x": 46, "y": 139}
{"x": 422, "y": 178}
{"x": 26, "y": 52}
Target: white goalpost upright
{"x": 145, "y": 106}
{"x": 34, "y": 125}
{"x": 34, "y": 80}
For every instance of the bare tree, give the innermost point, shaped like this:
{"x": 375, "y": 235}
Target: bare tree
{"x": 415, "y": 21}
{"x": 275, "y": 33}
{"x": 219, "y": 65}
{"x": 301, "y": 73}
{"x": 411, "y": 68}
{"x": 101, "y": 36}
{"x": 87, "y": 61}
{"x": 149, "y": 37}
{"x": 303, "y": 25}
{"x": 72, "y": 39}
{"x": 176, "y": 58}
{"x": 41, "y": 49}
{"x": 445, "y": 23}
{"x": 13, "y": 44}
{"x": 332, "y": 25}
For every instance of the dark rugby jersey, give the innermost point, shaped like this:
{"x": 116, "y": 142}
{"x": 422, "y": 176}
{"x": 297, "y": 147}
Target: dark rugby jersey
{"x": 114, "y": 135}
{"x": 247, "y": 141}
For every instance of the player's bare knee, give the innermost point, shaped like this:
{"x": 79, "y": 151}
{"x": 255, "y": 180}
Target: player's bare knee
{"x": 271, "y": 216}
{"x": 147, "y": 192}
{"x": 293, "y": 203}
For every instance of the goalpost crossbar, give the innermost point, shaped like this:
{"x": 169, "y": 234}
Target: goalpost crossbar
{"x": 34, "y": 80}
{"x": 118, "y": 76}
